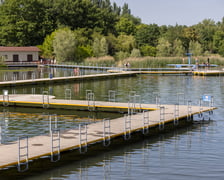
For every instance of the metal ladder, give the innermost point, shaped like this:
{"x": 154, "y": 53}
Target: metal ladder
{"x": 83, "y": 139}
{"x": 112, "y": 95}
{"x": 45, "y": 97}
{"x": 106, "y": 132}
{"x": 23, "y": 153}
{"x": 127, "y": 127}
{"x": 137, "y": 103}
{"x": 91, "y": 101}
{"x": 145, "y": 122}
{"x": 5, "y": 98}
{"x": 68, "y": 94}
{"x": 33, "y": 91}
{"x": 131, "y": 102}
{"x": 87, "y": 92}
{"x": 55, "y": 145}
{"x": 178, "y": 97}
{"x": 176, "y": 114}
{"x": 14, "y": 77}
{"x": 162, "y": 118}
{"x": 53, "y": 122}
{"x": 200, "y": 115}
{"x": 189, "y": 110}
{"x": 24, "y": 75}
{"x": 33, "y": 76}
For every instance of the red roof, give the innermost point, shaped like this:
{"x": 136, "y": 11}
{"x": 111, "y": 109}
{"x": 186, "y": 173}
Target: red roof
{"x": 19, "y": 49}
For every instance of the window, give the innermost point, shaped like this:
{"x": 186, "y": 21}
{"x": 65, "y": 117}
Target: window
{"x": 29, "y": 57}
{"x": 15, "y": 58}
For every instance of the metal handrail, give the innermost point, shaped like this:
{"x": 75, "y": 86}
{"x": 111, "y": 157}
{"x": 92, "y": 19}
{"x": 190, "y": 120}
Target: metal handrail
{"x": 82, "y": 139}
{"x": 23, "y": 153}
{"x": 55, "y": 145}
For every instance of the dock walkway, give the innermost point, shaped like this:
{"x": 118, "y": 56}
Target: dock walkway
{"x": 66, "y": 79}
{"x": 41, "y": 146}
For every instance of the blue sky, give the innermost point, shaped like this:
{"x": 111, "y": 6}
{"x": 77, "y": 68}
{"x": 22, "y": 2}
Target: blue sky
{"x": 171, "y": 12}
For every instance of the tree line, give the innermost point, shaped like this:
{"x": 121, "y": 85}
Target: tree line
{"x": 72, "y": 30}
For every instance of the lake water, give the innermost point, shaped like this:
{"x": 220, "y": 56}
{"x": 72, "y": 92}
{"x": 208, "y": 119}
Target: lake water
{"x": 195, "y": 152}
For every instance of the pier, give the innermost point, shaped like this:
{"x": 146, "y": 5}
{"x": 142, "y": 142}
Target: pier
{"x": 52, "y": 79}
{"x": 139, "y": 120}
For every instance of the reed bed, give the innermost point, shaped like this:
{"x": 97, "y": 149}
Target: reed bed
{"x": 157, "y": 62}
{"x": 100, "y": 61}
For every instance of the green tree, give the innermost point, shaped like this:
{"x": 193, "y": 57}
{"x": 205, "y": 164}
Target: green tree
{"x": 147, "y": 35}
{"x": 218, "y": 42}
{"x": 125, "y": 26}
{"x": 125, "y": 43}
{"x": 178, "y": 49}
{"x": 47, "y": 48}
{"x": 22, "y": 23}
{"x": 100, "y": 47}
{"x": 164, "y": 48}
{"x": 147, "y": 50}
{"x": 195, "y": 48}
{"x": 206, "y": 30}
{"x": 64, "y": 45}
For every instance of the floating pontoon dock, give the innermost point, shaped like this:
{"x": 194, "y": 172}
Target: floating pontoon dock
{"x": 141, "y": 119}
{"x": 65, "y": 79}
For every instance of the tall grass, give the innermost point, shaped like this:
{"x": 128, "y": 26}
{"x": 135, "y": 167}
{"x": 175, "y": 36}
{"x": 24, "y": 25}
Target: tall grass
{"x": 150, "y": 62}
{"x": 100, "y": 61}
{"x": 157, "y": 62}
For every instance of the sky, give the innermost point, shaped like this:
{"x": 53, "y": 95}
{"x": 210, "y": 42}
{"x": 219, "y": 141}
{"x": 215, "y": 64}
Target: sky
{"x": 172, "y": 12}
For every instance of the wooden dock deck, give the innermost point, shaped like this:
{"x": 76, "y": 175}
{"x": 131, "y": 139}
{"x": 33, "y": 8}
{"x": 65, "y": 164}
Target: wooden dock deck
{"x": 41, "y": 146}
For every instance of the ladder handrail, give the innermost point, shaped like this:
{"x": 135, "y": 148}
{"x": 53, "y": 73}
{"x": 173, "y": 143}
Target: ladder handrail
{"x": 127, "y": 127}
{"x": 112, "y": 95}
{"x": 189, "y": 110}
{"x": 91, "y": 101}
{"x": 23, "y": 153}
{"x": 55, "y": 145}
{"x": 162, "y": 118}
{"x": 176, "y": 114}
{"x": 45, "y": 97}
{"x": 68, "y": 94}
{"x": 106, "y": 132}
{"x": 145, "y": 128}
{"x": 83, "y": 140}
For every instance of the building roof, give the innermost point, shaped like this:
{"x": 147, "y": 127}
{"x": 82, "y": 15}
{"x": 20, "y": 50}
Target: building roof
{"x": 19, "y": 49}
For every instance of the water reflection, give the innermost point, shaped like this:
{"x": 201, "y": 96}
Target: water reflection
{"x": 15, "y": 74}
{"x": 191, "y": 153}
{"x": 130, "y": 161}
{"x": 15, "y": 124}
